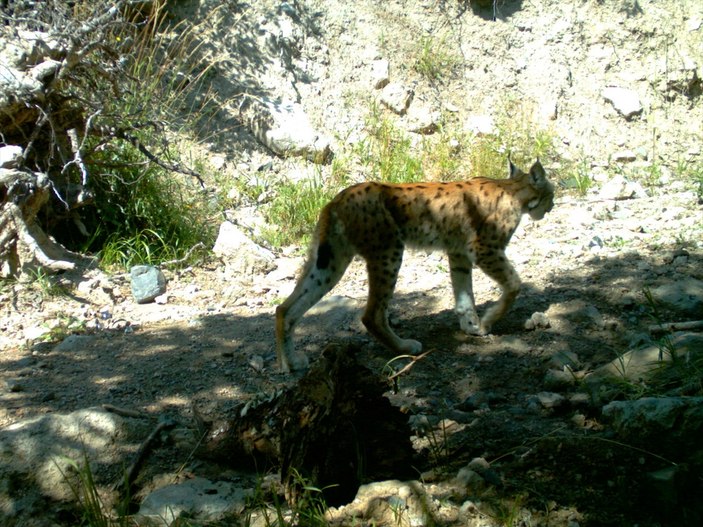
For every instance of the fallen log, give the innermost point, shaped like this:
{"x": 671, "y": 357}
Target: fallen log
{"x": 334, "y": 430}
{"x": 668, "y": 327}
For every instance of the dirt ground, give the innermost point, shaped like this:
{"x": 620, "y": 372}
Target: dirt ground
{"x": 79, "y": 340}
{"x": 211, "y": 346}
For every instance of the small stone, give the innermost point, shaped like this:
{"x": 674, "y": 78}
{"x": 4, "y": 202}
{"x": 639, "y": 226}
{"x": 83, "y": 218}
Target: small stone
{"x": 550, "y": 400}
{"x": 537, "y": 320}
{"x": 256, "y": 362}
{"x": 625, "y": 101}
{"x": 148, "y": 282}
{"x": 397, "y": 97}
{"x": 380, "y": 73}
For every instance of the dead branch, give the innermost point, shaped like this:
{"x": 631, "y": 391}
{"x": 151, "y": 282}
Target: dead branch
{"x": 668, "y": 327}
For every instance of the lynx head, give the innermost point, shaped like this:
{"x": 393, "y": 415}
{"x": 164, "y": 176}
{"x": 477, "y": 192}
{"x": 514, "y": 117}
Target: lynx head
{"x": 541, "y": 199}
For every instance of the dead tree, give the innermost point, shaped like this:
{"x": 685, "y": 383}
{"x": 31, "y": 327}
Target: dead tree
{"x": 334, "y": 429}
{"x": 59, "y": 64}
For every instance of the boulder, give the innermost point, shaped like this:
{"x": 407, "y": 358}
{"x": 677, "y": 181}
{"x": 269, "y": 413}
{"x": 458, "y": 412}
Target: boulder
{"x": 244, "y": 257}
{"x": 685, "y": 296}
{"x": 195, "y": 499}
{"x": 676, "y": 421}
{"x": 284, "y": 128}
{"x": 41, "y": 450}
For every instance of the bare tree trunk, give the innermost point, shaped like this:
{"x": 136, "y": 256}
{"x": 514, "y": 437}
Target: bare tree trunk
{"x": 24, "y": 247}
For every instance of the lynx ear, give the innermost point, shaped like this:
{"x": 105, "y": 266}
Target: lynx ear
{"x": 514, "y": 171}
{"x": 538, "y": 177}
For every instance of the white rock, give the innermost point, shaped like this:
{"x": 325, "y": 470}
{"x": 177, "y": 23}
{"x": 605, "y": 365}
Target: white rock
{"x": 380, "y": 73}
{"x": 10, "y": 156}
{"x": 397, "y": 97}
{"x": 196, "y": 498}
{"x": 481, "y": 125}
{"x": 243, "y": 255}
{"x": 423, "y": 120}
{"x": 625, "y": 101}
{"x": 284, "y": 127}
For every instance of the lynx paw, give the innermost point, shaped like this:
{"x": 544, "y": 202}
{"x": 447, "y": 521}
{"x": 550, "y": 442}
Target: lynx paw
{"x": 469, "y": 323}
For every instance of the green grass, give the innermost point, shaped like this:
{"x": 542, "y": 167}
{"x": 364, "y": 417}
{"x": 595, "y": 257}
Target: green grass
{"x": 142, "y": 210}
{"x": 142, "y": 213}
{"x": 294, "y": 211}
{"x": 435, "y": 59}
{"x": 390, "y": 154}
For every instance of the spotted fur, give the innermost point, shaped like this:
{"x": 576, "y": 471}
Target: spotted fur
{"x": 472, "y": 221}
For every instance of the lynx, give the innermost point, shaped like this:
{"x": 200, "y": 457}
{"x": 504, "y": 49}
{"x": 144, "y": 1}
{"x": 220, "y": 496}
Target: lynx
{"x": 472, "y": 221}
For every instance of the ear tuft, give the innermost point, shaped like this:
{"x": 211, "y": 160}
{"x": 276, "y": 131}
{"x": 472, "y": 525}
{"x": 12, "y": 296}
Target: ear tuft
{"x": 514, "y": 171}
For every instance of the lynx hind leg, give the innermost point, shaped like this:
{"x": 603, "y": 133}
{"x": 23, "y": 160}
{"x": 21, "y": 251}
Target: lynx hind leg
{"x": 460, "y": 268}
{"x": 496, "y": 265}
{"x": 321, "y": 273}
{"x": 383, "y": 274}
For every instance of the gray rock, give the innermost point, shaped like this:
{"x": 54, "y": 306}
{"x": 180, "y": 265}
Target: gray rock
{"x": 197, "y": 498}
{"x": 625, "y": 101}
{"x": 640, "y": 364}
{"x": 537, "y": 320}
{"x": 675, "y": 419}
{"x": 550, "y": 400}
{"x": 243, "y": 255}
{"x": 39, "y": 449}
{"x": 684, "y": 296}
{"x": 73, "y": 343}
{"x": 148, "y": 282}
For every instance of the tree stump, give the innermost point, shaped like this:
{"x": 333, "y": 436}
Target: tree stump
{"x": 334, "y": 430}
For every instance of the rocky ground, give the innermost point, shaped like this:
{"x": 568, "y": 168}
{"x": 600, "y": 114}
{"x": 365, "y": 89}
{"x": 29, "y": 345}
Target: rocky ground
{"x": 546, "y": 455}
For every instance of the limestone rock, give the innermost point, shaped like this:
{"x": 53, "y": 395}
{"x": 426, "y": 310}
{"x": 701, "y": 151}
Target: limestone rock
{"x": 639, "y": 364}
{"x": 620, "y": 188}
{"x": 397, "y": 97}
{"x": 678, "y": 419}
{"x": 285, "y": 128}
{"x": 38, "y": 449}
{"x": 423, "y": 120}
{"x": 380, "y": 73}
{"x": 243, "y": 255}
{"x": 197, "y": 498}
{"x": 684, "y": 296}
{"x": 481, "y": 125}
{"x": 10, "y": 156}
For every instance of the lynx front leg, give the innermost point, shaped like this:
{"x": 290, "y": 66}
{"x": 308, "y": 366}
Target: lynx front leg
{"x": 497, "y": 266}
{"x": 383, "y": 273}
{"x": 460, "y": 267}
{"x": 320, "y": 275}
